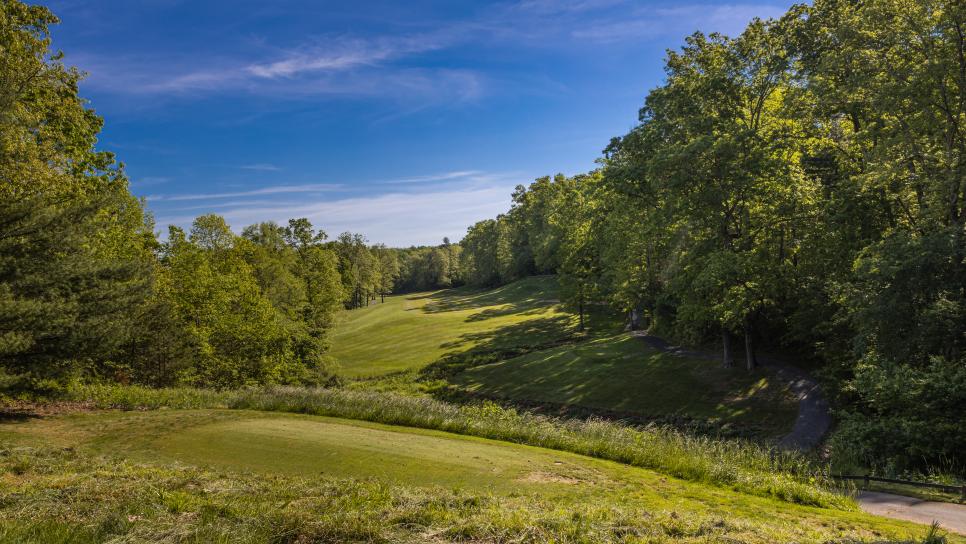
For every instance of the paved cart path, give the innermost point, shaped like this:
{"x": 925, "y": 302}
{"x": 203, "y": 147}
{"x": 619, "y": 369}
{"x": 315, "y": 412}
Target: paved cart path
{"x": 951, "y": 517}
{"x": 814, "y": 417}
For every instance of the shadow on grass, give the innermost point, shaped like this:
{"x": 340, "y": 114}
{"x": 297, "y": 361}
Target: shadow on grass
{"x": 14, "y": 415}
{"x": 524, "y": 295}
{"x": 500, "y": 344}
{"x": 578, "y": 381}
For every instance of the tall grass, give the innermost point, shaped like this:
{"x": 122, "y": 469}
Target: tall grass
{"x": 136, "y": 397}
{"x": 737, "y": 465}
{"x": 53, "y": 495}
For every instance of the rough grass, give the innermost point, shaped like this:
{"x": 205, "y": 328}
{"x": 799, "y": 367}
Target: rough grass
{"x": 53, "y": 495}
{"x": 621, "y": 373}
{"x": 732, "y": 464}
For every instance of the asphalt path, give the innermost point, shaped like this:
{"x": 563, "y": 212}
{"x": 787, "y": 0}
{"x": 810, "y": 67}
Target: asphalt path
{"x": 951, "y": 517}
{"x": 814, "y": 417}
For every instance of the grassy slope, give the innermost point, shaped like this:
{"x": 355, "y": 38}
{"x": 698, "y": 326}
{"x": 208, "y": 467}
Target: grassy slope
{"x": 551, "y": 484}
{"x": 612, "y": 372}
{"x": 623, "y": 374}
{"x": 411, "y": 331}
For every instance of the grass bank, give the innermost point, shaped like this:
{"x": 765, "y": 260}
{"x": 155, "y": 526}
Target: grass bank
{"x": 620, "y": 373}
{"x": 516, "y": 344}
{"x": 731, "y": 464}
{"x": 67, "y": 495}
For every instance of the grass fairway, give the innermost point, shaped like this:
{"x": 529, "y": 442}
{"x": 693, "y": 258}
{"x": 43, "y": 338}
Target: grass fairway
{"x": 609, "y": 372}
{"x": 621, "y": 373}
{"x": 272, "y": 464}
{"x": 411, "y": 331}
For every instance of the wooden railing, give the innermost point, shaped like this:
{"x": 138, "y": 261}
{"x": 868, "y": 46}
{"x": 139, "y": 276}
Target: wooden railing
{"x": 961, "y": 489}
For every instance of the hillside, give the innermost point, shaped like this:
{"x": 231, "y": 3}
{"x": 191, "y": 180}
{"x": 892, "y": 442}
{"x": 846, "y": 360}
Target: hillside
{"x": 475, "y": 337}
{"x": 232, "y": 475}
{"x": 410, "y": 331}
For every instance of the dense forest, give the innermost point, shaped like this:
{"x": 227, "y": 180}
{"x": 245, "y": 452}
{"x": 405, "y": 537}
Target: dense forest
{"x": 798, "y": 188}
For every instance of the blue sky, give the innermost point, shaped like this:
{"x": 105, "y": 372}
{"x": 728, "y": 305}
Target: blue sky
{"x": 405, "y": 121}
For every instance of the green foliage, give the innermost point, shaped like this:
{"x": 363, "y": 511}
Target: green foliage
{"x": 74, "y": 244}
{"x": 801, "y": 185}
{"x": 424, "y": 268}
{"x": 61, "y": 305}
{"x": 905, "y": 417}
{"x": 484, "y": 252}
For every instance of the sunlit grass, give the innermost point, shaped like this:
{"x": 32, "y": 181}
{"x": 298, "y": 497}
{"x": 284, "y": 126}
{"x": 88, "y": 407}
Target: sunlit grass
{"x": 733, "y": 464}
{"x": 53, "y": 496}
{"x": 413, "y": 330}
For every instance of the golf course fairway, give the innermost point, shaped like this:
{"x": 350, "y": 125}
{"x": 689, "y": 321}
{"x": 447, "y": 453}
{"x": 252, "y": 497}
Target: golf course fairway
{"x": 278, "y": 445}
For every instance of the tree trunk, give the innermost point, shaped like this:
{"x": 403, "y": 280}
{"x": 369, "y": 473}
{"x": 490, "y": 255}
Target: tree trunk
{"x": 727, "y": 359}
{"x": 383, "y": 300}
{"x": 750, "y": 358}
{"x": 580, "y": 305}
{"x": 636, "y": 319}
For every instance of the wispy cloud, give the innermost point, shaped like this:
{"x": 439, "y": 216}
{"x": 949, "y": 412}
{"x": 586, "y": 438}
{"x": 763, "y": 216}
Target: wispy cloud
{"x": 261, "y": 167}
{"x": 342, "y": 53}
{"x": 448, "y": 176}
{"x": 677, "y": 20}
{"x": 279, "y": 189}
{"x": 389, "y": 218}
{"x": 416, "y": 214}
{"x": 391, "y": 65}
{"x": 309, "y": 67}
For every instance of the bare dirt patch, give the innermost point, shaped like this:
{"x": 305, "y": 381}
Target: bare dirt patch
{"x": 540, "y": 477}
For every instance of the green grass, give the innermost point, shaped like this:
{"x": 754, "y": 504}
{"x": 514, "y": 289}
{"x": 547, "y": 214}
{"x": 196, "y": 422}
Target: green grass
{"x": 622, "y": 374}
{"x": 516, "y": 344}
{"x": 737, "y": 465}
{"x": 408, "y": 332}
{"x": 299, "y": 445}
{"x": 242, "y": 476}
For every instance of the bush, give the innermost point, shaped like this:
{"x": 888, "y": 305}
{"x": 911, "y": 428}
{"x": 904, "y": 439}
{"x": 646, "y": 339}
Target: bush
{"x": 906, "y": 418}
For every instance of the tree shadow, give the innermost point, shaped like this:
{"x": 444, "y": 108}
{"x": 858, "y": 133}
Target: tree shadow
{"x": 17, "y": 415}
{"x": 523, "y": 295}
{"x": 502, "y": 343}
{"x": 490, "y": 313}
{"x": 582, "y": 383}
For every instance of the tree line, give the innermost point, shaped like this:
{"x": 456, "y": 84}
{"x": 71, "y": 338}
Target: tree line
{"x": 799, "y": 187}
{"x": 88, "y": 289}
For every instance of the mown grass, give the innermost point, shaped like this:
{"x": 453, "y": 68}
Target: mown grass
{"x": 298, "y": 444}
{"x": 516, "y": 345}
{"x": 57, "y": 495}
{"x": 413, "y": 330}
{"x": 736, "y": 465}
